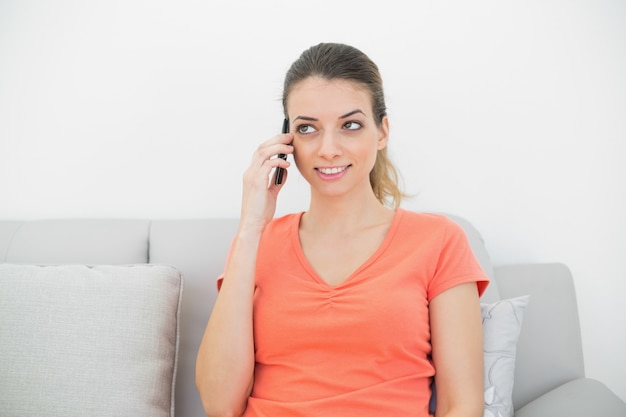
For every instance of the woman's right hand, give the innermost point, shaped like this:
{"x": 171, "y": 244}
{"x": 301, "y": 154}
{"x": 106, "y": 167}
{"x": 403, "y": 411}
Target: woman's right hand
{"x": 259, "y": 191}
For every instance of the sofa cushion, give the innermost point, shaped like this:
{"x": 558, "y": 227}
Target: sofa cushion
{"x": 502, "y": 321}
{"x": 97, "y": 341}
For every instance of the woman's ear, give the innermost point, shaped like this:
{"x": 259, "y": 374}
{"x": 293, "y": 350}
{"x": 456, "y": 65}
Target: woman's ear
{"x": 384, "y": 133}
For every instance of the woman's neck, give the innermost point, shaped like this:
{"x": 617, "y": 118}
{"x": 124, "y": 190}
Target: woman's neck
{"x": 344, "y": 215}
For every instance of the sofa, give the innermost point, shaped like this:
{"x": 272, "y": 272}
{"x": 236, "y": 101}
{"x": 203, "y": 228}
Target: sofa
{"x": 105, "y": 316}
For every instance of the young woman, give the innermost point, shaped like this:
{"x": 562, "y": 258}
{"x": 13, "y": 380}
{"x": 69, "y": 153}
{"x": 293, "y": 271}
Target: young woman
{"x": 353, "y": 306}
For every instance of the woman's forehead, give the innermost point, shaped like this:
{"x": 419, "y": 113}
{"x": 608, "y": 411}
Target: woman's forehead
{"x": 337, "y": 96}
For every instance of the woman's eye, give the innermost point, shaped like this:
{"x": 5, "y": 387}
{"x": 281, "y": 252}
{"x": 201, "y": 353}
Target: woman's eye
{"x": 305, "y": 129}
{"x": 352, "y": 125}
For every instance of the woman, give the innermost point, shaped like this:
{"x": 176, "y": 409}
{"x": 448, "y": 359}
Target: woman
{"x": 346, "y": 309}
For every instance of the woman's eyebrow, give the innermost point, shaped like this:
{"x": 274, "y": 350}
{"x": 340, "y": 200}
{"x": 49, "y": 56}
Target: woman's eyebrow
{"x": 351, "y": 113}
{"x": 313, "y": 119}
{"x": 307, "y": 118}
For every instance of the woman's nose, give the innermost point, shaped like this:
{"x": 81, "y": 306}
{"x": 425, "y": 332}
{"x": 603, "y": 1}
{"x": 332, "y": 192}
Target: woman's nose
{"x": 329, "y": 145}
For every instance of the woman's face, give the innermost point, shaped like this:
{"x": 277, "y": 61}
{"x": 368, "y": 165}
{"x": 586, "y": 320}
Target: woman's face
{"x": 336, "y": 138}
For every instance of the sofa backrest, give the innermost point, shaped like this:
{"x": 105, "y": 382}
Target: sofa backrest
{"x": 82, "y": 241}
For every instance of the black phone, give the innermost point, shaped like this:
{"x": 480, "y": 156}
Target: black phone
{"x": 280, "y": 172}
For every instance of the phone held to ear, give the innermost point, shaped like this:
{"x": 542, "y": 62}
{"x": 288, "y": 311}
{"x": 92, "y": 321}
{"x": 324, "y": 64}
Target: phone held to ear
{"x": 280, "y": 172}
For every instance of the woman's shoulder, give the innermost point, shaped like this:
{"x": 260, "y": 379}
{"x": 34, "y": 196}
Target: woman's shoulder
{"x": 427, "y": 219}
{"x": 421, "y": 225}
{"x": 283, "y": 224}
{"x": 285, "y": 219}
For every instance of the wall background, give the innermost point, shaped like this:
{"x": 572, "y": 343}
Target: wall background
{"x": 511, "y": 114}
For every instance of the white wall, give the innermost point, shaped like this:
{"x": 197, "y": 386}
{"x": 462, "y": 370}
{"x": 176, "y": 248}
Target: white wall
{"x": 511, "y": 114}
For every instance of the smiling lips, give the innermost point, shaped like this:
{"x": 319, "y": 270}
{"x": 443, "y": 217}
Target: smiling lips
{"x": 333, "y": 170}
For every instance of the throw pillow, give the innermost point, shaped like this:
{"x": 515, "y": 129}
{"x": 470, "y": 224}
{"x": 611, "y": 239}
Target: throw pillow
{"x": 502, "y": 321}
{"x": 88, "y": 341}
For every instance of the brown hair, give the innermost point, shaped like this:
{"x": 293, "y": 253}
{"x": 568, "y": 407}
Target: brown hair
{"x": 339, "y": 61}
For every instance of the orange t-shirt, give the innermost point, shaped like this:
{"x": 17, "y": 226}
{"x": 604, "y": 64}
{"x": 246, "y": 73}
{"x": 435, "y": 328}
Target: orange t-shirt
{"x": 361, "y": 348}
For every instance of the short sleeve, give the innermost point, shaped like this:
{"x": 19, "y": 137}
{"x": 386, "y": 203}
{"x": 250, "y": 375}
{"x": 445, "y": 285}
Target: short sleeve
{"x": 456, "y": 264}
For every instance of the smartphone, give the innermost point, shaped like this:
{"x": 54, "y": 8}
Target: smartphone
{"x": 280, "y": 172}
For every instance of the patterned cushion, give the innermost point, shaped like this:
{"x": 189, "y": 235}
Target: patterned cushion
{"x": 502, "y": 322}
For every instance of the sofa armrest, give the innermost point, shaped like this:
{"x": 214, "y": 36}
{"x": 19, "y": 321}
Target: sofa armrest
{"x": 582, "y": 397}
{"x": 549, "y": 349}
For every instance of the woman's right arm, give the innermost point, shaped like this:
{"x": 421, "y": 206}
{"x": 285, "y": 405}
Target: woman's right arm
{"x": 225, "y": 362}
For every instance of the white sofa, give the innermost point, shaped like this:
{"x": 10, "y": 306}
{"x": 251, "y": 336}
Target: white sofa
{"x": 549, "y": 371}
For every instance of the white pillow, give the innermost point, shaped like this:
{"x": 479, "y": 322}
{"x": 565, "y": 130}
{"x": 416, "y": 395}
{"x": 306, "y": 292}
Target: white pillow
{"x": 88, "y": 341}
{"x": 502, "y": 321}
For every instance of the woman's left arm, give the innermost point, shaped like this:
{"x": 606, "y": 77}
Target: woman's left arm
{"x": 457, "y": 344}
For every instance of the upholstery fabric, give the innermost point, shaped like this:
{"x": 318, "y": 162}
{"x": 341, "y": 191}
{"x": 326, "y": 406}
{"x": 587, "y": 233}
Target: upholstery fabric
{"x": 88, "y": 341}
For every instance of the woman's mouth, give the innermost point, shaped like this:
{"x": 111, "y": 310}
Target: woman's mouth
{"x": 332, "y": 172}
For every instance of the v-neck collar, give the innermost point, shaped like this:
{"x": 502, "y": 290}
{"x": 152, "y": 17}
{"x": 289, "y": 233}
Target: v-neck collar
{"x": 295, "y": 236}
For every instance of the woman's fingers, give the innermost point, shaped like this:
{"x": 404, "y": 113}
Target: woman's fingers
{"x": 259, "y": 193}
{"x": 267, "y": 151}
{"x": 265, "y": 157}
